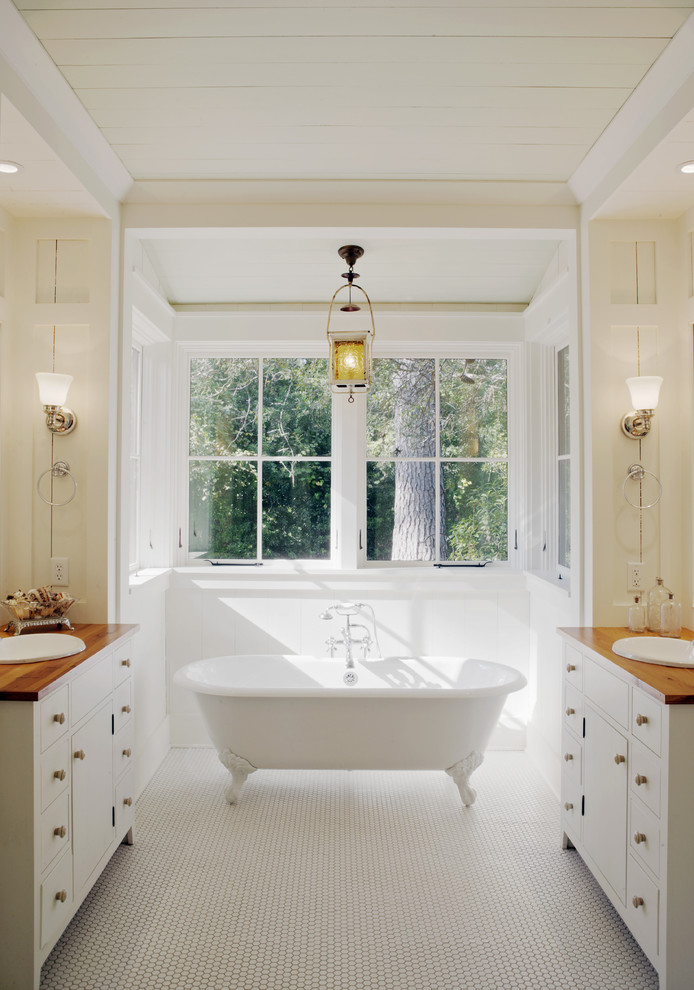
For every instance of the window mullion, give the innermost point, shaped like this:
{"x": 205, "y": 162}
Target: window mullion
{"x": 259, "y": 472}
{"x": 437, "y": 461}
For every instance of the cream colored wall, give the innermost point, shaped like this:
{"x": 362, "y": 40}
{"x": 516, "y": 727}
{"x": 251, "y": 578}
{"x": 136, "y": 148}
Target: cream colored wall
{"x": 59, "y": 287}
{"x": 638, "y": 324}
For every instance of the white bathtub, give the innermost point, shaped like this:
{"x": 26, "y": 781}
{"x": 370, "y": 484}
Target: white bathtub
{"x": 297, "y": 712}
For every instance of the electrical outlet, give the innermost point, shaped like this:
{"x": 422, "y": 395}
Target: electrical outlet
{"x": 635, "y": 577}
{"x": 59, "y": 571}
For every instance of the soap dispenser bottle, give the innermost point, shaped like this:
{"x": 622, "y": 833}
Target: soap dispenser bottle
{"x": 670, "y": 617}
{"x": 637, "y": 616}
{"x": 656, "y": 596}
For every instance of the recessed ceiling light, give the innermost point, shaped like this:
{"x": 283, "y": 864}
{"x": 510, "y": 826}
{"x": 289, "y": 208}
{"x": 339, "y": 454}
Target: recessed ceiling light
{"x": 10, "y": 167}
{"x": 687, "y": 167}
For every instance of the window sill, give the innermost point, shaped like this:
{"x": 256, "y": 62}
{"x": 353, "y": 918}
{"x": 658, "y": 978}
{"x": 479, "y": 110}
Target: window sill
{"x": 543, "y": 581}
{"x": 149, "y": 577}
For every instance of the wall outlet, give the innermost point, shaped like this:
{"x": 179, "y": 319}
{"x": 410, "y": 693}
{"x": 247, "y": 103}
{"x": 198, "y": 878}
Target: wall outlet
{"x": 59, "y": 571}
{"x": 635, "y": 577}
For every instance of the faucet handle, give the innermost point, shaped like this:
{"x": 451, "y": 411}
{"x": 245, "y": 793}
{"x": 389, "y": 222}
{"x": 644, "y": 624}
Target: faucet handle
{"x": 365, "y": 646}
{"x": 331, "y": 643}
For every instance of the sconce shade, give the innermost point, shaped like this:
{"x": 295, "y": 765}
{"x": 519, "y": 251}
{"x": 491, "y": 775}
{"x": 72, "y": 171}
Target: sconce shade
{"x": 645, "y": 391}
{"x": 53, "y": 389}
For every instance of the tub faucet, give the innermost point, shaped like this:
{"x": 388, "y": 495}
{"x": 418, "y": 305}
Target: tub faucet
{"x": 348, "y": 640}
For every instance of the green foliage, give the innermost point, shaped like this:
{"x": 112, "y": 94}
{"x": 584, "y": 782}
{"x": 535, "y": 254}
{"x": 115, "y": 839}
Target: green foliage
{"x": 476, "y": 497}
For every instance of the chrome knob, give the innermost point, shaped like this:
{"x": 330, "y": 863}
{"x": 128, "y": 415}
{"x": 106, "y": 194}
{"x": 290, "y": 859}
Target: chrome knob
{"x": 639, "y": 837}
{"x": 126, "y": 709}
{"x": 640, "y": 779}
{"x": 619, "y": 758}
{"x": 568, "y": 756}
{"x": 128, "y": 801}
{"x": 125, "y": 663}
{"x": 568, "y": 806}
{"x": 570, "y": 711}
{"x": 60, "y": 774}
{"x": 641, "y": 719}
{"x": 637, "y": 901}
{"x": 127, "y": 752}
{"x": 59, "y": 718}
{"x": 60, "y": 832}
{"x": 80, "y": 754}
{"x": 570, "y": 667}
{"x": 61, "y": 896}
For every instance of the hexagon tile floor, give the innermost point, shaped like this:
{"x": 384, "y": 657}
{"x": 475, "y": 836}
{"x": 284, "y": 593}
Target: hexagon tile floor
{"x": 322, "y": 880}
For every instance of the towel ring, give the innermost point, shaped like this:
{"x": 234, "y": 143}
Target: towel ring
{"x": 638, "y": 473}
{"x": 59, "y": 470}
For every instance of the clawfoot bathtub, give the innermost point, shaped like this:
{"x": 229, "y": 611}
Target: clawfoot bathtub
{"x": 305, "y": 713}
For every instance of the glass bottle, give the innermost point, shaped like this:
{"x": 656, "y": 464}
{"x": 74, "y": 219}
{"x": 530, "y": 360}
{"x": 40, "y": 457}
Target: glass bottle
{"x": 670, "y": 617}
{"x": 637, "y": 616}
{"x": 656, "y": 596}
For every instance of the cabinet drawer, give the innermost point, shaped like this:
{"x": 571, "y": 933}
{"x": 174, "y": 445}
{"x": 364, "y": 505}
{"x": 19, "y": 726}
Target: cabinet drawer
{"x": 607, "y": 691}
{"x": 646, "y": 719}
{"x": 122, "y": 663}
{"x": 573, "y": 667}
{"x": 642, "y": 908}
{"x": 644, "y": 832}
{"x": 573, "y": 708}
{"x": 56, "y": 899}
{"x": 645, "y": 776}
{"x": 55, "y": 829}
{"x": 55, "y": 772}
{"x": 91, "y": 687}
{"x": 571, "y": 760}
{"x": 125, "y": 804}
{"x": 123, "y": 749}
{"x": 54, "y": 716}
{"x": 122, "y": 704}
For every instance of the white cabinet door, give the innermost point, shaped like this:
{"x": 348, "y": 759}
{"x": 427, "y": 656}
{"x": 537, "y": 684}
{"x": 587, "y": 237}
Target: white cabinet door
{"x": 605, "y": 778}
{"x": 92, "y": 793}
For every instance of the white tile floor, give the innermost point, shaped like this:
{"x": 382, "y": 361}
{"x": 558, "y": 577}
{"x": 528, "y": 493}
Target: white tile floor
{"x": 328, "y": 880}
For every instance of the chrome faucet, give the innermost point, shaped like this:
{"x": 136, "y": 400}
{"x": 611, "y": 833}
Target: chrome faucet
{"x": 348, "y": 640}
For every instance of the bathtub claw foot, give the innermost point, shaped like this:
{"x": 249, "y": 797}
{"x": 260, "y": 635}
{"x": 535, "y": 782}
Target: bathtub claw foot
{"x": 461, "y": 773}
{"x": 239, "y": 770}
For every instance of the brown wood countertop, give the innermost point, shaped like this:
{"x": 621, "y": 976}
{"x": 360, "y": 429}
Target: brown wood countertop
{"x": 671, "y": 685}
{"x": 31, "y": 681}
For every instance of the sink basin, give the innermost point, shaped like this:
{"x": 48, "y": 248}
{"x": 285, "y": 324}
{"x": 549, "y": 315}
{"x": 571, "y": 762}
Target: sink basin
{"x": 39, "y": 646}
{"x": 655, "y": 649}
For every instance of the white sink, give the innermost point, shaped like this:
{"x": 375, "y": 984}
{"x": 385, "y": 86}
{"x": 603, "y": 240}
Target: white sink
{"x": 656, "y": 649}
{"x": 39, "y": 646}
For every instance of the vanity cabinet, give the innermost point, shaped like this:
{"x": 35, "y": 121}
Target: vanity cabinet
{"x": 627, "y": 802}
{"x": 67, "y": 791}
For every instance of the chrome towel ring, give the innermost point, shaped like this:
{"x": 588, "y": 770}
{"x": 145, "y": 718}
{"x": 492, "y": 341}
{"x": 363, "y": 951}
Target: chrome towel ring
{"x": 637, "y": 473}
{"x": 60, "y": 469}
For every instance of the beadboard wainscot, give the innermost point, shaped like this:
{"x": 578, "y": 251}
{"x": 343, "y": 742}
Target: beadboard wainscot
{"x": 627, "y": 802}
{"x": 66, "y": 779}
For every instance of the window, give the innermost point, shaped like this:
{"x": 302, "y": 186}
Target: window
{"x": 563, "y": 468}
{"x": 259, "y": 458}
{"x": 437, "y": 468}
{"x": 280, "y": 469}
{"x": 135, "y": 455}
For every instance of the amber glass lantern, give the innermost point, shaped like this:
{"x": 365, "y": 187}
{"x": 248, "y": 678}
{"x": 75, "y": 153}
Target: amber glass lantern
{"x": 351, "y": 365}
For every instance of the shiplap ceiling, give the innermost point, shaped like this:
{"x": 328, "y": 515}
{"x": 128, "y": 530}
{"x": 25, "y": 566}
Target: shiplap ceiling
{"x": 485, "y": 102}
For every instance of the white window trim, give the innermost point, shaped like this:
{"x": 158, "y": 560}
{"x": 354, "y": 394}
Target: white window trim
{"x": 348, "y": 512}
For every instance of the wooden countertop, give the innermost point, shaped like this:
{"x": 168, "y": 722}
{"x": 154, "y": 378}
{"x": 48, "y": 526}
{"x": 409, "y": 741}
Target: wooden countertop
{"x": 671, "y": 685}
{"x": 31, "y": 681}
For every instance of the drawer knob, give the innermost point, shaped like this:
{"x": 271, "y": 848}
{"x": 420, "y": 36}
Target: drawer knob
{"x": 570, "y": 667}
{"x": 639, "y": 837}
{"x": 125, "y": 663}
{"x": 128, "y": 801}
{"x": 127, "y": 752}
{"x": 641, "y": 719}
{"x": 640, "y": 779}
{"x": 59, "y": 718}
{"x": 60, "y": 775}
{"x": 61, "y": 896}
{"x": 619, "y": 758}
{"x": 60, "y": 832}
{"x": 568, "y": 756}
{"x": 570, "y": 711}
{"x": 126, "y": 709}
{"x": 80, "y": 754}
{"x": 568, "y": 806}
{"x": 637, "y": 901}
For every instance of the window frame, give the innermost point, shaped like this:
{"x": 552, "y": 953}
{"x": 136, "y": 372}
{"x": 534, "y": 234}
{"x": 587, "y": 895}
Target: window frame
{"x": 348, "y": 501}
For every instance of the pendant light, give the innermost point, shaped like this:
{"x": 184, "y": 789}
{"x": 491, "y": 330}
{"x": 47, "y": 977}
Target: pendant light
{"x": 351, "y": 363}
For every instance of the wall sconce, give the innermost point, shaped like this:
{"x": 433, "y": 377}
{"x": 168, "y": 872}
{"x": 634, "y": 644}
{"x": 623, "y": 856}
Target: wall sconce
{"x": 350, "y": 362}
{"x": 53, "y": 391}
{"x": 644, "y": 392}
